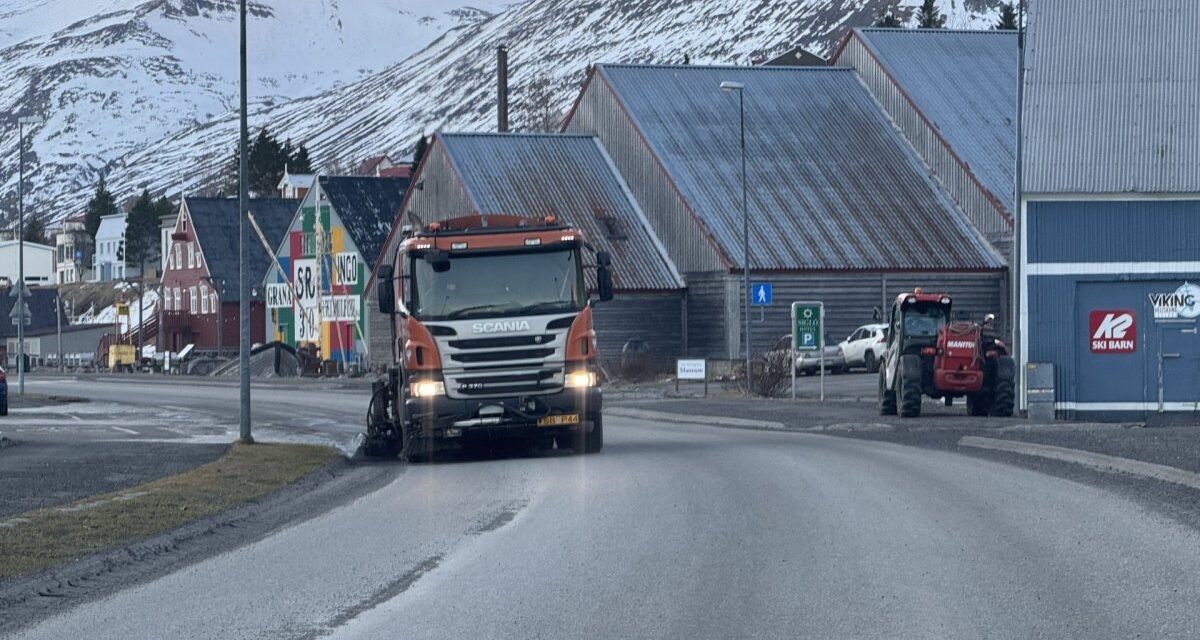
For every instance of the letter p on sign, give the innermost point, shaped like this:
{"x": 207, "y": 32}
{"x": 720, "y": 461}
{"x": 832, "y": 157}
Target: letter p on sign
{"x": 1112, "y": 331}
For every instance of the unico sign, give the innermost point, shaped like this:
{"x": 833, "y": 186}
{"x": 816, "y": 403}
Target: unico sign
{"x": 1113, "y": 331}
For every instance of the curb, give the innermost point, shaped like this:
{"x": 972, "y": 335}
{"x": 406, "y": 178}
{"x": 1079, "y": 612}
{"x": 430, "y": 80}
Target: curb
{"x": 1089, "y": 459}
{"x": 664, "y": 416}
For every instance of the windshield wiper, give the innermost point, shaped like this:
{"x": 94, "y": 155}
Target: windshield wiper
{"x": 542, "y": 306}
{"x": 458, "y": 313}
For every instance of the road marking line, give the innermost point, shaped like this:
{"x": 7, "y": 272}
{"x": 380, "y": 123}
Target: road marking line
{"x": 646, "y": 414}
{"x": 1092, "y": 460}
{"x": 129, "y": 431}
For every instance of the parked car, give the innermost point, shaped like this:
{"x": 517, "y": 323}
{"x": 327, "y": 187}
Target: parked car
{"x": 864, "y": 347}
{"x": 809, "y": 362}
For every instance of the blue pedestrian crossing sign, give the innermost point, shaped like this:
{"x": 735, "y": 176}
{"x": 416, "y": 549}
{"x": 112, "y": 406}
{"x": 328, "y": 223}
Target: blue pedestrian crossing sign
{"x": 760, "y": 294}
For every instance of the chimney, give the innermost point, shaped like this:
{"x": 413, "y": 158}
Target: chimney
{"x": 502, "y": 88}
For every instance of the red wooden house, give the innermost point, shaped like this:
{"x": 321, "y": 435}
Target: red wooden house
{"x": 200, "y": 278}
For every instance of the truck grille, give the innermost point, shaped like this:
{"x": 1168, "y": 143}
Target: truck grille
{"x": 500, "y": 366}
{"x": 500, "y": 356}
{"x": 499, "y": 343}
{"x": 508, "y": 383}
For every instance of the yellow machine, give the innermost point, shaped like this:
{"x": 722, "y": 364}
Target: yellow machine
{"x": 122, "y": 357}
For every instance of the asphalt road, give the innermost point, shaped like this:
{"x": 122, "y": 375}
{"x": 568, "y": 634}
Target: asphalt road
{"x": 689, "y": 531}
{"x": 304, "y": 410}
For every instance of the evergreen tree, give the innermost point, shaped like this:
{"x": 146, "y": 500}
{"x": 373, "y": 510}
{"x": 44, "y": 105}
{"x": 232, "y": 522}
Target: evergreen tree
{"x": 266, "y": 159}
{"x": 102, "y": 204}
{"x": 35, "y": 231}
{"x": 1008, "y": 17}
{"x": 300, "y": 162}
{"x": 163, "y": 208}
{"x": 887, "y": 19}
{"x": 419, "y": 151}
{"x": 141, "y": 231}
{"x": 928, "y": 16}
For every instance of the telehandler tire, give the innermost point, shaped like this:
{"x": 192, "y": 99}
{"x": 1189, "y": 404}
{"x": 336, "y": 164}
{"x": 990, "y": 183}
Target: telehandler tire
{"x": 910, "y": 386}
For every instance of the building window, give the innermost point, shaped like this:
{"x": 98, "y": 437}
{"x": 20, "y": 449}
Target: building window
{"x": 191, "y": 255}
{"x": 192, "y": 306}
{"x": 212, "y": 302}
{"x": 204, "y": 299}
{"x": 177, "y": 256}
{"x": 178, "y": 299}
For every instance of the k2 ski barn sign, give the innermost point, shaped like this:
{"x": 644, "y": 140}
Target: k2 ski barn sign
{"x": 1113, "y": 331}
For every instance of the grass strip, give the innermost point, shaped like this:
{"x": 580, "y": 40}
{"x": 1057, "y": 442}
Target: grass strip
{"x": 45, "y": 537}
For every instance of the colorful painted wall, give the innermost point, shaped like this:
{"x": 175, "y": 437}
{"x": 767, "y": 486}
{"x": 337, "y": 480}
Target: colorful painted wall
{"x": 316, "y": 296}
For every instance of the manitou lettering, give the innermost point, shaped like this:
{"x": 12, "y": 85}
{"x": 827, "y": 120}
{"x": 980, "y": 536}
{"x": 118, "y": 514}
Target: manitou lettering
{"x": 960, "y": 344}
{"x": 1112, "y": 331}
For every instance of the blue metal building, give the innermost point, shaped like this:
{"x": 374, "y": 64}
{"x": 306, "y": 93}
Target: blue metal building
{"x": 1110, "y": 224}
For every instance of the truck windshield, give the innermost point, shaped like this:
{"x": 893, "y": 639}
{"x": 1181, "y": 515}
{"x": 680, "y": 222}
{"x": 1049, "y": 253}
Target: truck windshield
{"x": 923, "y": 320}
{"x": 502, "y": 284}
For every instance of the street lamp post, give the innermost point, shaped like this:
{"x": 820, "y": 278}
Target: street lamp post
{"x": 22, "y": 122}
{"x": 243, "y": 247}
{"x": 740, "y": 88}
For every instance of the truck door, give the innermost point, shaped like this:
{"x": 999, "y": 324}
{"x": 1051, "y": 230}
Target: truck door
{"x": 1178, "y": 368}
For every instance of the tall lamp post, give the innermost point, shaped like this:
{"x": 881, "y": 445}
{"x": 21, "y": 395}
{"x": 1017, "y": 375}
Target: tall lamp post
{"x": 243, "y": 247}
{"x": 22, "y": 122}
{"x": 729, "y": 87}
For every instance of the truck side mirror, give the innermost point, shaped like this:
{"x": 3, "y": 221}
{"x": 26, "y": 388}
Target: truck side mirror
{"x": 989, "y": 320}
{"x": 604, "y": 282}
{"x": 385, "y": 290}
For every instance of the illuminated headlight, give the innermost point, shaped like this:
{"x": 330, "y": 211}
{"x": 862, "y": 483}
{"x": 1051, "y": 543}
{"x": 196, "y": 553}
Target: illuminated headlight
{"x": 581, "y": 379}
{"x": 427, "y": 389}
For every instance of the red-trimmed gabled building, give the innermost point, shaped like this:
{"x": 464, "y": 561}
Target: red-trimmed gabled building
{"x": 200, "y": 277}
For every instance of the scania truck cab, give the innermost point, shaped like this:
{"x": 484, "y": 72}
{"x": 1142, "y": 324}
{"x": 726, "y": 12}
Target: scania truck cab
{"x": 492, "y": 338}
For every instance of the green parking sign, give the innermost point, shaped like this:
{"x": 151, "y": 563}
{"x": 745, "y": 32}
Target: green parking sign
{"x": 808, "y": 319}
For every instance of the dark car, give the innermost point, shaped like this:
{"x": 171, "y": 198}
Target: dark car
{"x": 3, "y": 393}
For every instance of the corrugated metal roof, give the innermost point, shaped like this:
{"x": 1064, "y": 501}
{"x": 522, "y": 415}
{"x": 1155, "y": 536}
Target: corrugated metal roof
{"x": 1112, "y": 97}
{"x": 832, "y": 185}
{"x": 569, "y": 176}
{"x": 965, "y": 83}
{"x": 367, "y": 207}
{"x": 215, "y": 221}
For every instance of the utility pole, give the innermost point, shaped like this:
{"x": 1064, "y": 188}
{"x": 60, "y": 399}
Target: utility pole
{"x": 1018, "y": 219}
{"x": 243, "y": 247}
{"x": 58, "y": 311}
{"x": 22, "y": 121}
{"x": 741, "y": 91}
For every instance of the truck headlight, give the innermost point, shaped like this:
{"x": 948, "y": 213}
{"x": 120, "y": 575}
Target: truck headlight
{"x": 427, "y": 389}
{"x": 581, "y": 379}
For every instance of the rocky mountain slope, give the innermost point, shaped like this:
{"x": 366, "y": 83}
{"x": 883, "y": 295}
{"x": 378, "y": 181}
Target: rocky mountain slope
{"x": 447, "y": 85}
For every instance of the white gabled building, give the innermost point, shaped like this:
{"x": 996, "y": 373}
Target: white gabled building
{"x": 108, "y": 261}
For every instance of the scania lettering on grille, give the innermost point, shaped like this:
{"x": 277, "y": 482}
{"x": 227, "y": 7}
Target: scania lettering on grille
{"x": 505, "y": 326}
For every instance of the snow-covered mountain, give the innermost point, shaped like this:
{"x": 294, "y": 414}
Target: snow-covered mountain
{"x": 447, "y": 85}
{"x": 110, "y": 77}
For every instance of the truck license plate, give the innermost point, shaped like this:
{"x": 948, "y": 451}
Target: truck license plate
{"x": 560, "y": 420}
